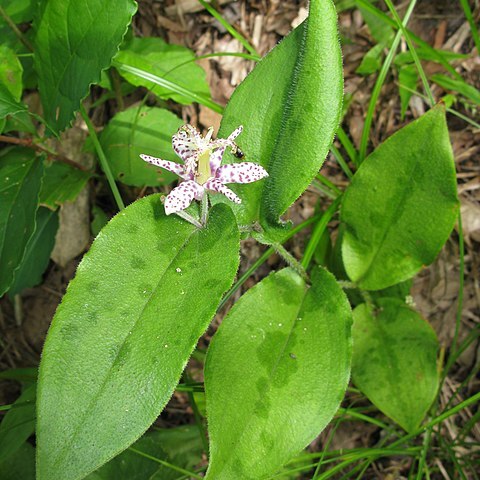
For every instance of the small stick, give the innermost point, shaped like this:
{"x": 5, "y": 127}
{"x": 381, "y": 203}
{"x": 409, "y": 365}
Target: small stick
{"x": 29, "y": 143}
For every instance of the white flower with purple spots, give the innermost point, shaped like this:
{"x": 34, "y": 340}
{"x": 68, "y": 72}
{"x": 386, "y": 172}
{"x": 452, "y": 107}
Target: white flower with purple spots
{"x": 201, "y": 169}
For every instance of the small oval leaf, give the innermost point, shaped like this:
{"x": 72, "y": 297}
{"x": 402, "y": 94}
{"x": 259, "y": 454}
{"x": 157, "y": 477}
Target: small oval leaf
{"x": 275, "y": 374}
{"x": 290, "y": 106}
{"x": 141, "y": 298}
{"x": 401, "y": 205}
{"x": 395, "y": 361}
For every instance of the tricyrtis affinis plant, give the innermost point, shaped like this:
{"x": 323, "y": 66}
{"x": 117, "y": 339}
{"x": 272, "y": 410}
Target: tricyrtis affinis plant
{"x": 279, "y": 364}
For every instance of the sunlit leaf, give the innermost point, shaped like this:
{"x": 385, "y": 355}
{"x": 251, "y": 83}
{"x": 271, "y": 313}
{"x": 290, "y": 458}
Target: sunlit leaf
{"x": 11, "y": 72}
{"x": 141, "y": 298}
{"x": 275, "y": 374}
{"x": 290, "y": 106}
{"x": 395, "y": 361}
{"x": 174, "y": 62}
{"x": 401, "y": 205}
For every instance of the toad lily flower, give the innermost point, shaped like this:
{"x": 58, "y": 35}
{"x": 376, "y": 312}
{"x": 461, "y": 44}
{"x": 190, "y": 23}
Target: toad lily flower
{"x": 201, "y": 169}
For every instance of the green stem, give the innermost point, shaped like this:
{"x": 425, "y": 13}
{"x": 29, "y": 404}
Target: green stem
{"x": 379, "y": 83}
{"x": 472, "y": 23}
{"x": 341, "y": 161}
{"x": 347, "y": 145}
{"x": 102, "y": 158}
{"x": 413, "y": 51}
{"x": 423, "y": 455}
{"x": 329, "y": 184}
{"x": 318, "y": 232}
{"x": 323, "y": 189}
{"x": 461, "y": 248}
{"x": 15, "y": 29}
{"x": 291, "y": 260}
{"x": 265, "y": 256}
{"x": 164, "y": 463}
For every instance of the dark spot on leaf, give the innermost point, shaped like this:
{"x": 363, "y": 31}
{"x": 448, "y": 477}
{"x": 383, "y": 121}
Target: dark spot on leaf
{"x": 138, "y": 262}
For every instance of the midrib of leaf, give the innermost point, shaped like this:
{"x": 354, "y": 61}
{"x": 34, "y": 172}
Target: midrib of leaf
{"x": 272, "y": 372}
{"x": 399, "y": 208}
{"x": 289, "y": 99}
{"x": 68, "y": 444}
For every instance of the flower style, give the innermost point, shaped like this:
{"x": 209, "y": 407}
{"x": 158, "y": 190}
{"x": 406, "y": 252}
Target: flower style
{"x": 201, "y": 169}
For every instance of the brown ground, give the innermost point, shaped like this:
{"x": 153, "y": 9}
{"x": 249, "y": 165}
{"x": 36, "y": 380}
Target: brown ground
{"x": 264, "y": 22}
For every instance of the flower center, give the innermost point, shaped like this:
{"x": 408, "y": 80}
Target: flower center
{"x": 203, "y": 167}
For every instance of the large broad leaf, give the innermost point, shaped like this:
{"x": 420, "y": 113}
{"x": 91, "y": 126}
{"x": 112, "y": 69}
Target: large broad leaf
{"x": 37, "y": 252}
{"x": 20, "y": 180}
{"x": 180, "y": 447}
{"x": 394, "y": 361}
{"x": 75, "y": 40}
{"x": 61, "y": 183}
{"x": 18, "y": 424}
{"x": 275, "y": 374}
{"x": 140, "y": 130}
{"x": 124, "y": 331}
{"x": 401, "y": 205}
{"x": 173, "y": 62}
{"x": 290, "y": 106}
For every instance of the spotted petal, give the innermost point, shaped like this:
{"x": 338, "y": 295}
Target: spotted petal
{"x": 244, "y": 172}
{"x": 182, "y": 196}
{"x": 173, "y": 167}
{"x": 187, "y": 141}
{"x": 217, "y": 186}
{"x": 222, "y": 144}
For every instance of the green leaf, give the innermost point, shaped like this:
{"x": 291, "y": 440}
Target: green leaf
{"x": 372, "y": 61}
{"x": 20, "y": 180}
{"x": 75, "y": 40}
{"x": 20, "y": 11}
{"x": 20, "y": 122}
{"x": 401, "y": 205}
{"x": 37, "y": 252}
{"x": 276, "y": 372}
{"x": 8, "y": 104}
{"x": 99, "y": 220}
{"x": 173, "y": 62}
{"x": 394, "y": 361}
{"x": 119, "y": 341}
{"x": 18, "y": 424}
{"x": 447, "y": 83}
{"x": 181, "y": 447}
{"x": 381, "y": 31}
{"x": 20, "y": 465}
{"x": 61, "y": 183}
{"x": 11, "y": 71}
{"x": 290, "y": 105}
{"x": 407, "y": 77}
{"x": 139, "y": 130}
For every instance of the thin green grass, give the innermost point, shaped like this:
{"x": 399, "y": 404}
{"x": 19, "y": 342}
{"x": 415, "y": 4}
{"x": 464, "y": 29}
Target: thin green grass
{"x": 230, "y": 29}
{"x": 380, "y": 81}
{"x": 102, "y": 158}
